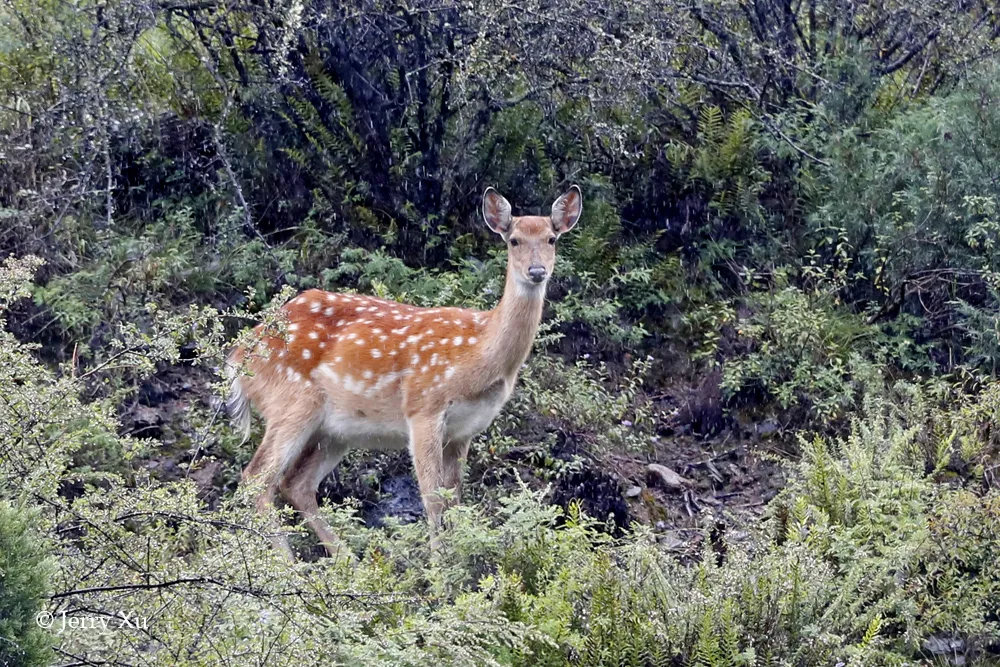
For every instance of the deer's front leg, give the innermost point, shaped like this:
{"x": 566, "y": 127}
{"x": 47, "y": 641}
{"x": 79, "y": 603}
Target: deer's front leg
{"x": 426, "y": 434}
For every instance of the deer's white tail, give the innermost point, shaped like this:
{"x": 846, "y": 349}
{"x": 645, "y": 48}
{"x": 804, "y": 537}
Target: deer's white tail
{"x": 238, "y": 404}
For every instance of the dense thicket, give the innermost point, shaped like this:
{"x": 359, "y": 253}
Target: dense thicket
{"x": 790, "y": 224}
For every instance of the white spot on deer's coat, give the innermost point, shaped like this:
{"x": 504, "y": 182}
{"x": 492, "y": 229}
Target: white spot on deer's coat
{"x": 367, "y": 375}
{"x": 314, "y": 308}
{"x": 448, "y": 372}
{"x": 328, "y": 312}
{"x": 314, "y": 335}
{"x": 473, "y": 340}
{"x": 376, "y": 353}
{"x": 306, "y": 353}
{"x": 353, "y": 386}
{"x": 457, "y": 340}
{"x": 293, "y": 326}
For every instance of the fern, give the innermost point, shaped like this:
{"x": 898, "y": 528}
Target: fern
{"x": 707, "y": 651}
{"x": 710, "y": 123}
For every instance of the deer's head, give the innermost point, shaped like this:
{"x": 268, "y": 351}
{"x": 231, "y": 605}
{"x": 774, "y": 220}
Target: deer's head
{"x": 531, "y": 239}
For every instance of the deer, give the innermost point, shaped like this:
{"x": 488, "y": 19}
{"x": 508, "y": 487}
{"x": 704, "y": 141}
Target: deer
{"x": 355, "y": 371}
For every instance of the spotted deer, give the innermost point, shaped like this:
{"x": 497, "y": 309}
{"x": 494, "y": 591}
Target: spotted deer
{"x": 358, "y": 371}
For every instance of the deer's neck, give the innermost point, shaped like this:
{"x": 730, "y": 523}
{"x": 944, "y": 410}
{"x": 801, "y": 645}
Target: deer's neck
{"x": 513, "y": 324}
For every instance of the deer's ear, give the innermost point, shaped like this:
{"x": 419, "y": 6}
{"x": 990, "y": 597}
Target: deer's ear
{"x": 496, "y": 212}
{"x": 566, "y": 210}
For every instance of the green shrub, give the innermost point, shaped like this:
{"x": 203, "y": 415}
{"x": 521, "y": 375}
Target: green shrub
{"x": 25, "y": 569}
{"x": 801, "y": 353}
{"x": 913, "y": 201}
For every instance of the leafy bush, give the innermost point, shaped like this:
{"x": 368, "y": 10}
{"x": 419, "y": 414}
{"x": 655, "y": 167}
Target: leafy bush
{"x": 914, "y": 201}
{"x": 799, "y": 350}
{"x": 801, "y": 353}
{"x": 24, "y": 580}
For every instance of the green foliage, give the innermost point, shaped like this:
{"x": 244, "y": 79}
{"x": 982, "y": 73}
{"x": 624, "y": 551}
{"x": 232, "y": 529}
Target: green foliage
{"x": 25, "y": 569}
{"x": 585, "y": 397}
{"x": 865, "y": 555}
{"x": 801, "y": 352}
{"x": 914, "y": 201}
{"x": 723, "y": 160}
{"x": 126, "y": 269}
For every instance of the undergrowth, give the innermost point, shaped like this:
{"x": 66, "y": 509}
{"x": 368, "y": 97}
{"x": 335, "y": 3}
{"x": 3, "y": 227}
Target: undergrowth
{"x": 873, "y": 549}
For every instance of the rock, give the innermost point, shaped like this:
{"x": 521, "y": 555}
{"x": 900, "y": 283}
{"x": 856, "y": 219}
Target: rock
{"x": 633, "y": 491}
{"x": 171, "y": 469}
{"x": 204, "y": 476}
{"x": 671, "y": 541}
{"x": 768, "y": 427}
{"x": 945, "y": 645}
{"x": 666, "y": 477}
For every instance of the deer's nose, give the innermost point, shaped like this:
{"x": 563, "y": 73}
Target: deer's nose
{"x": 536, "y": 273}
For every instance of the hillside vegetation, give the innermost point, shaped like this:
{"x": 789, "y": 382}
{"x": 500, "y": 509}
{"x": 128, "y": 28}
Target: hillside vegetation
{"x": 784, "y": 287}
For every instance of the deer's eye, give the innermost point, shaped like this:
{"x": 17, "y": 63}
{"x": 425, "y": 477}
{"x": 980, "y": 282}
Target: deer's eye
{"x": 514, "y": 243}
{"x": 552, "y": 240}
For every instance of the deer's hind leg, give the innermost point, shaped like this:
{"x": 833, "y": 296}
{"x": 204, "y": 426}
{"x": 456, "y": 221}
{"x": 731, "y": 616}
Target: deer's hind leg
{"x": 453, "y": 462}
{"x": 301, "y": 482}
{"x": 284, "y": 440}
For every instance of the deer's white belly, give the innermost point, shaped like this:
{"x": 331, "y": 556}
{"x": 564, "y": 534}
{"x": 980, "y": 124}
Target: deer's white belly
{"x": 365, "y": 432}
{"x": 384, "y": 429}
